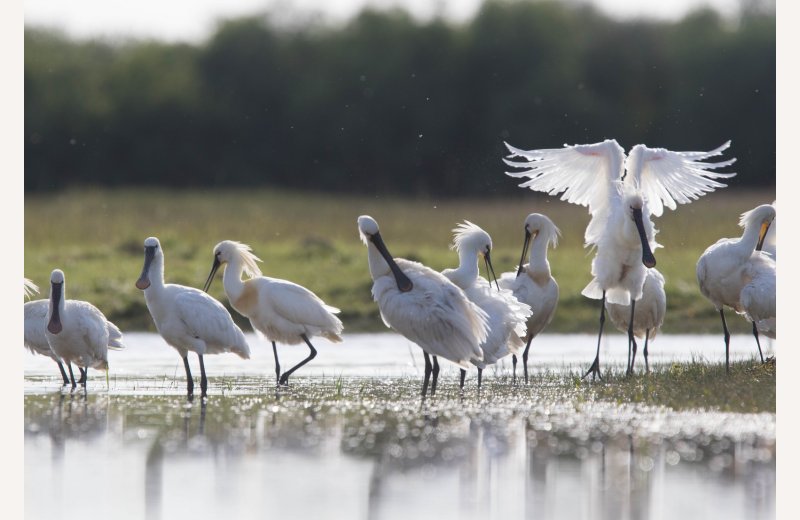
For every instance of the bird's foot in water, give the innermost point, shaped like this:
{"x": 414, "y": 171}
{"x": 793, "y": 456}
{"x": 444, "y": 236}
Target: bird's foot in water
{"x": 284, "y": 380}
{"x": 594, "y": 370}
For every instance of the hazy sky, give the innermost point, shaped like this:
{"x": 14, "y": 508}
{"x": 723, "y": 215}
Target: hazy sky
{"x": 195, "y": 19}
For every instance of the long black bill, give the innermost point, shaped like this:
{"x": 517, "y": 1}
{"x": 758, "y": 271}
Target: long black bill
{"x": 647, "y": 255}
{"x": 403, "y": 282}
{"x": 525, "y": 245}
{"x": 54, "y": 325}
{"x": 144, "y": 280}
{"x": 214, "y": 268}
{"x": 762, "y": 234}
{"x": 490, "y": 269}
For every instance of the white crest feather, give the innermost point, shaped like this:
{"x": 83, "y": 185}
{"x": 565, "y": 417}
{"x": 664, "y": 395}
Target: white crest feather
{"x": 249, "y": 260}
{"x": 30, "y": 288}
{"x": 465, "y": 232}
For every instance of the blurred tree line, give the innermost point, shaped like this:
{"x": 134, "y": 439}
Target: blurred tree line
{"x": 387, "y": 103}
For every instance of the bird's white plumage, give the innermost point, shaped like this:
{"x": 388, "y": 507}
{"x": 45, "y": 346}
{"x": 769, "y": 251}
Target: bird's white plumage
{"x": 650, "y": 309}
{"x": 668, "y": 178}
{"x": 592, "y": 175}
{"x": 757, "y": 297}
{"x": 771, "y": 240}
{"x": 187, "y": 318}
{"x": 535, "y": 285}
{"x": 30, "y": 288}
{"x": 86, "y": 334}
{"x": 35, "y": 324}
{"x": 721, "y": 268}
{"x": 506, "y": 315}
{"x": 435, "y": 314}
{"x": 279, "y": 309}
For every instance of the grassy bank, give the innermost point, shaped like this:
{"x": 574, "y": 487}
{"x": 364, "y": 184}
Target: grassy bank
{"x": 96, "y": 237}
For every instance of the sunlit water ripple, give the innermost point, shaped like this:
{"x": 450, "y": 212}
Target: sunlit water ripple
{"x": 350, "y": 438}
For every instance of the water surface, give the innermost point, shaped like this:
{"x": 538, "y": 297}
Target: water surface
{"x": 350, "y": 438}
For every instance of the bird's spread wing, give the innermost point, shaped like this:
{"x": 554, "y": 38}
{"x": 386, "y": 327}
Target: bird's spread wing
{"x": 668, "y": 178}
{"x": 586, "y": 173}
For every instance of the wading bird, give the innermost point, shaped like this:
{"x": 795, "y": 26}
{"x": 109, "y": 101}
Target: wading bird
{"x": 187, "y": 318}
{"x": 621, "y": 205}
{"x": 506, "y": 315}
{"x": 722, "y": 269}
{"x": 650, "y": 310}
{"x": 532, "y": 283}
{"x": 35, "y": 324}
{"x": 78, "y": 332}
{"x": 282, "y": 311}
{"x": 424, "y": 306}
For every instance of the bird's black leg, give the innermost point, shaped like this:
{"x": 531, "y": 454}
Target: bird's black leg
{"x": 71, "y": 375}
{"x": 595, "y": 368}
{"x": 84, "y": 372}
{"x": 285, "y": 377}
{"x": 427, "y": 373}
{"x": 461, "y": 382}
{"x": 633, "y": 357}
{"x": 63, "y": 373}
{"x": 277, "y": 364}
{"x": 189, "y": 380}
{"x": 646, "y": 339}
{"x": 727, "y": 341}
{"x": 631, "y": 341}
{"x": 480, "y": 376}
{"x": 435, "y": 374}
{"x": 525, "y": 358}
{"x": 758, "y": 343}
{"x": 514, "y": 367}
{"x": 203, "y": 379}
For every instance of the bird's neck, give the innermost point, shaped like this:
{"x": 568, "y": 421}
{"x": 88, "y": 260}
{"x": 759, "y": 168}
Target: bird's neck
{"x": 749, "y": 239}
{"x": 232, "y": 279}
{"x": 537, "y": 263}
{"x": 377, "y": 264}
{"x": 467, "y": 271}
{"x": 156, "y": 275}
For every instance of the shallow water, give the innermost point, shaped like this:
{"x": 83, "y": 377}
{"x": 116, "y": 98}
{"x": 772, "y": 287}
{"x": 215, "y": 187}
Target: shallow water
{"x": 350, "y": 438}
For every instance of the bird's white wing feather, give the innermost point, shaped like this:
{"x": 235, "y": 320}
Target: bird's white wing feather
{"x": 586, "y": 173}
{"x": 436, "y": 314}
{"x": 206, "y": 318}
{"x": 35, "y": 324}
{"x": 297, "y": 304}
{"x": 668, "y": 178}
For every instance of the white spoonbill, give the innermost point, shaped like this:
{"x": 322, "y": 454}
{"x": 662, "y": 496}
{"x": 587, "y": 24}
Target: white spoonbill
{"x": 721, "y": 269}
{"x": 187, "y": 318}
{"x": 621, "y": 205}
{"x": 424, "y": 306}
{"x": 507, "y": 315}
{"x": 78, "y": 332}
{"x": 532, "y": 283}
{"x": 35, "y": 324}
{"x": 650, "y": 310}
{"x": 280, "y": 310}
